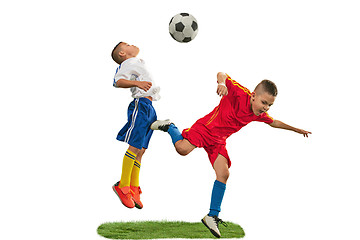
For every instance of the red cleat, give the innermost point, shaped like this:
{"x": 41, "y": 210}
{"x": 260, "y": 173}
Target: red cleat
{"x": 136, "y": 196}
{"x": 125, "y": 194}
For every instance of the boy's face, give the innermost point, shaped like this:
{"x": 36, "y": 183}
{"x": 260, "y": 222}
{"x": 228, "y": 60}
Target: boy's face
{"x": 261, "y": 102}
{"x": 128, "y": 51}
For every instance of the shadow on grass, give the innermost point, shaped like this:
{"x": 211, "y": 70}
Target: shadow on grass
{"x": 165, "y": 229}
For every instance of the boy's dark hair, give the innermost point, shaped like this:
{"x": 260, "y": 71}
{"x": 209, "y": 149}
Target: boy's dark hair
{"x": 112, "y": 53}
{"x": 268, "y": 86}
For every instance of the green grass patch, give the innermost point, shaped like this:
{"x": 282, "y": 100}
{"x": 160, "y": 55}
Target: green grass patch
{"x": 165, "y": 229}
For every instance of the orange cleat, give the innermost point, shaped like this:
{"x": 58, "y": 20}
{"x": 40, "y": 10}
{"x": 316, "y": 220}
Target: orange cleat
{"x": 125, "y": 194}
{"x": 136, "y": 196}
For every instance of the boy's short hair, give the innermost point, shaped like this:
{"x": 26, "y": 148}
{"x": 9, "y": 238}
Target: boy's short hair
{"x": 113, "y": 54}
{"x": 267, "y": 86}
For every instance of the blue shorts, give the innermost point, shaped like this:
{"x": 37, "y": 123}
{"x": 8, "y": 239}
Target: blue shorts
{"x": 137, "y": 132}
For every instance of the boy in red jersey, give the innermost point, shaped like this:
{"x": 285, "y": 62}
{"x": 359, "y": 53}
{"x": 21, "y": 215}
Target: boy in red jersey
{"x": 237, "y": 108}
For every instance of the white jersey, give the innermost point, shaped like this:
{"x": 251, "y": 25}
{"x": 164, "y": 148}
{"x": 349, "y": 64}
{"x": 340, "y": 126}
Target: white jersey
{"x": 134, "y": 69}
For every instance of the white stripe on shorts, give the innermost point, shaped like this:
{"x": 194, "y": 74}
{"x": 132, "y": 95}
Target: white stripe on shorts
{"x": 133, "y": 119}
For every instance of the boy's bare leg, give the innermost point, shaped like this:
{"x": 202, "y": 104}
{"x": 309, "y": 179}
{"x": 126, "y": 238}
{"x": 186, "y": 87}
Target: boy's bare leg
{"x": 139, "y": 152}
{"x": 134, "y": 149}
{"x": 184, "y": 147}
{"x": 221, "y": 168}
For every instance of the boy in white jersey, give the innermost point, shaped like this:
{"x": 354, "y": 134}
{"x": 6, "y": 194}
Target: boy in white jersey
{"x": 133, "y": 74}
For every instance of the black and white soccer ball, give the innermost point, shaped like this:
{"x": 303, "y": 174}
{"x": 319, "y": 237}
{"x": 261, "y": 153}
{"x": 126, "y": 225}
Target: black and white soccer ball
{"x": 183, "y": 27}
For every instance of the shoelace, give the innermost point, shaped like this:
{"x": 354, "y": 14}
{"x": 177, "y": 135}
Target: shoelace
{"x": 164, "y": 127}
{"x": 218, "y": 220}
{"x": 130, "y": 194}
{"x": 137, "y": 189}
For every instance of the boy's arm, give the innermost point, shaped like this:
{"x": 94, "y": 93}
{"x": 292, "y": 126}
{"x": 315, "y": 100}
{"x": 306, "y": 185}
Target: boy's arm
{"x": 123, "y": 83}
{"x": 279, "y": 124}
{"x": 221, "y": 88}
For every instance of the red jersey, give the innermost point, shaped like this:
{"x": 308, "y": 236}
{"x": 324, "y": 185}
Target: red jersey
{"x": 233, "y": 113}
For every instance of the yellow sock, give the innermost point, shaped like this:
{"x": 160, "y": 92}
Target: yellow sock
{"x": 127, "y": 167}
{"x": 135, "y": 174}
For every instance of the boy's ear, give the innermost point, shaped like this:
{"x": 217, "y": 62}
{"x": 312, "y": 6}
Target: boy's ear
{"x": 253, "y": 95}
{"x": 122, "y": 54}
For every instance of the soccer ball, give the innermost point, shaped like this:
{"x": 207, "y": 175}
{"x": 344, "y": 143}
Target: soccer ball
{"x": 183, "y": 27}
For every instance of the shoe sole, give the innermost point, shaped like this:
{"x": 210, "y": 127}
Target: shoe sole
{"x": 212, "y": 231}
{"x": 119, "y": 197}
{"x": 137, "y": 205}
{"x": 152, "y": 127}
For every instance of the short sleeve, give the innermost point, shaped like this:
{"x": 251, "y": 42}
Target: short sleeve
{"x": 265, "y": 117}
{"x": 123, "y": 72}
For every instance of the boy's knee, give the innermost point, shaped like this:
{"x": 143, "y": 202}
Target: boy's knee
{"x": 181, "y": 148}
{"x": 223, "y": 175}
{"x": 134, "y": 149}
{"x": 182, "y": 151}
{"x": 226, "y": 174}
{"x": 184, "y": 147}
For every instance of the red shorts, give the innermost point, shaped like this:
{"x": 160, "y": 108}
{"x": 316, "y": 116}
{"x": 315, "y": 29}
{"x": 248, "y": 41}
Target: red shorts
{"x": 200, "y": 136}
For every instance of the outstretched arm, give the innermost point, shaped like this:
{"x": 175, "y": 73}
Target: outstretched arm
{"x": 279, "y": 124}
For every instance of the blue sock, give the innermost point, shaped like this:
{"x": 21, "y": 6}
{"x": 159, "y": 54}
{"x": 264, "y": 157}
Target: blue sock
{"x": 216, "y": 198}
{"x": 174, "y": 133}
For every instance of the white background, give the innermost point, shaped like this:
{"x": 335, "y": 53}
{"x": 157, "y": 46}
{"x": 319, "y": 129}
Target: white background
{"x": 60, "y": 116}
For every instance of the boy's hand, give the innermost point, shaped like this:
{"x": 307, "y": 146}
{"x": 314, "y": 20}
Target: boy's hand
{"x": 303, "y": 132}
{"x": 222, "y": 90}
{"x": 144, "y": 85}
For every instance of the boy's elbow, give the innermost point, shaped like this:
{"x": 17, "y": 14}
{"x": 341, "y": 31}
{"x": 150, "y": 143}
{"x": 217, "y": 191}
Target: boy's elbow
{"x": 221, "y": 74}
{"x": 274, "y": 124}
{"x": 116, "y": 84}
